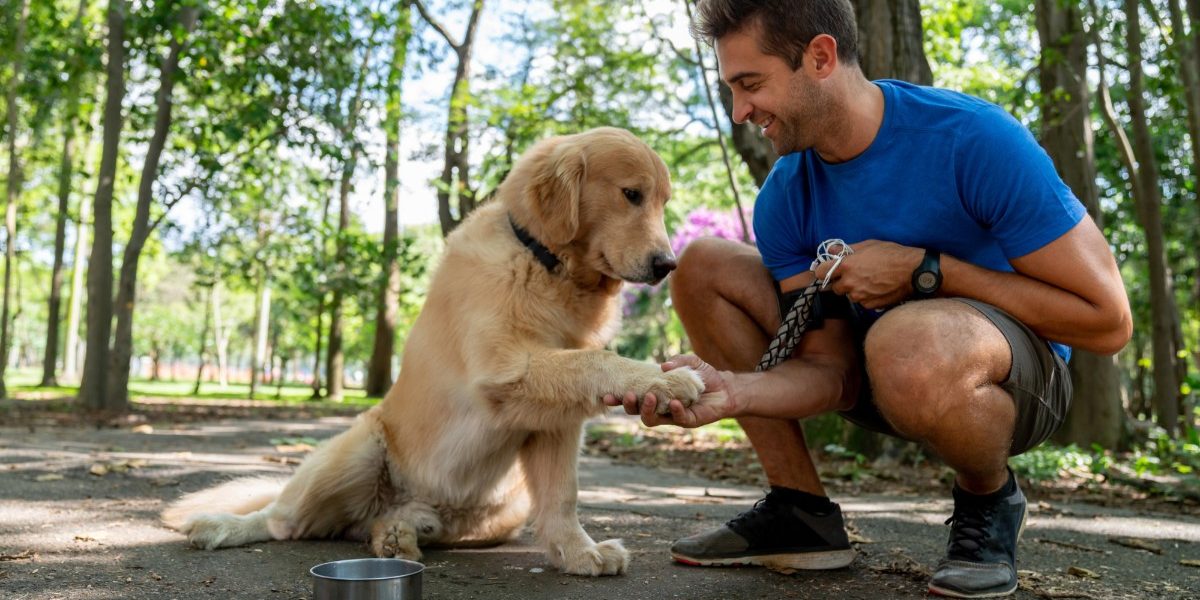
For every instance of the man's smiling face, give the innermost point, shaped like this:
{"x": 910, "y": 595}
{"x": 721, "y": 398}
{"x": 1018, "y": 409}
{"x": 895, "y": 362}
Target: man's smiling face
{"x": 788, "y": 105}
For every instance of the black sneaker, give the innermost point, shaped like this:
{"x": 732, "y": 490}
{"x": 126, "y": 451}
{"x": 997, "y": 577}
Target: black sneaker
{"x": 774, "y": 534}
{"x": 982, "y": 554}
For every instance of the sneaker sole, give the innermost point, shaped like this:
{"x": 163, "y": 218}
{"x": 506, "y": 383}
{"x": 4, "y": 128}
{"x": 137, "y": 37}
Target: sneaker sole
{"x": 808, "y": 561}
{"x": 938, "y": 591}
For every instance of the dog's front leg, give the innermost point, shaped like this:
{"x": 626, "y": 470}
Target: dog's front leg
{"x": 549, "y": 460}
{"x": 552, "y": 389}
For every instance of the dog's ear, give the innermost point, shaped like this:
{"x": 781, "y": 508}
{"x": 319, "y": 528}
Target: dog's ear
{"x": 554, "y": 191}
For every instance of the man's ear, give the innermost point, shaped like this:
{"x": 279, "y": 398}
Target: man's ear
{"x": 554, "y": 191}
{"x": 821, "y": 55}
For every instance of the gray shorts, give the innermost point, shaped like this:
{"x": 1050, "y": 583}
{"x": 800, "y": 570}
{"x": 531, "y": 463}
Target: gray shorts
{"x": 1039, "y": 383}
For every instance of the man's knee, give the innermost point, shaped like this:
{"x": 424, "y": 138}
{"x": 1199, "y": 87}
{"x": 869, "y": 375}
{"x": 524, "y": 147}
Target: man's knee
{"x": 698, "y": 270}
{"x": 911, "y": 361}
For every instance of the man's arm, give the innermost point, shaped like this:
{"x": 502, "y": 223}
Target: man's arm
{"x": 821, "y": 376}
{"x": 1068, "y": 291}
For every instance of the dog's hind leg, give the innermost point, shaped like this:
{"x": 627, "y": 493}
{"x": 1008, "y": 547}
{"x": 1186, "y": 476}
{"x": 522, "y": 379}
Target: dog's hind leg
{"x": 343, "y": 484}
{"x": 222, "y": 530}
{"x": 549, "y": 460}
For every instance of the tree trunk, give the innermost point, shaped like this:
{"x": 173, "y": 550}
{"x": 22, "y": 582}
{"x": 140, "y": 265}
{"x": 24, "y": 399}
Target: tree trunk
{"x": 71, "y": 348}
{"x": 14, "y": 183}
{"x": 891, "y": 44}
{"x": 65, "y": 173}
{"x": 317, "y": 338}
{"x": 220, "y": 339}
{"x": 1096, "y": 415}
{"x": 203, "y": 354}
{"x": 1148, "y": 199}
{"x": 1187, "y": 48}
{"x": 93, "y": 388}
{"x": 456, "y": 177}
{"x": 122, "y": 349}
{"x": 379, "y": 369}
{"x": 335, "y": 359}
{"x": 262, "y": 315}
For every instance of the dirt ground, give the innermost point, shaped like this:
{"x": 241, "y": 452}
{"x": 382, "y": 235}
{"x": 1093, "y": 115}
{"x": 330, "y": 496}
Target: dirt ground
{"x": 79, "y": 505}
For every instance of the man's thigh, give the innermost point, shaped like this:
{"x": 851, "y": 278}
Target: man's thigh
{"x": 1037, "y": 380}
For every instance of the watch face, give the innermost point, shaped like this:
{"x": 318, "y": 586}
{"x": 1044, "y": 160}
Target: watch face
{"x": 926, "y": 280}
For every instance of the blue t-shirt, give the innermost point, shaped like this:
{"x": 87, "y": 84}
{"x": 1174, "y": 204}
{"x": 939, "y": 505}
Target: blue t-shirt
{"x": 946, "y": 172}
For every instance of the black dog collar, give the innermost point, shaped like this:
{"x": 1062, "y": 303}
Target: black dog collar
{"x": 542, "y": 253}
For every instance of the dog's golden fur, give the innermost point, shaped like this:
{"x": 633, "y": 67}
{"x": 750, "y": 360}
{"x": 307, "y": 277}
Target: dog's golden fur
{"x": 482, "y": 429}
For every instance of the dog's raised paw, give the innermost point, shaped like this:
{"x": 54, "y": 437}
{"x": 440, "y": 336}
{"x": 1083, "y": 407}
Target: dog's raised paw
{"x": 682, "y": 384}
{"x": 605, "y": 558}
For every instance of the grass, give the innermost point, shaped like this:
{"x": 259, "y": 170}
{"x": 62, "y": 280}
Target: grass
{"x": 24, "y": 382}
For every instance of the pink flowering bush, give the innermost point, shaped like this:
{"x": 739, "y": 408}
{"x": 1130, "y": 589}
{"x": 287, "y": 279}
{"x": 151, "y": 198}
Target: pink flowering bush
{"x": 707, "y": 222}
{"x": 650, "y": 328}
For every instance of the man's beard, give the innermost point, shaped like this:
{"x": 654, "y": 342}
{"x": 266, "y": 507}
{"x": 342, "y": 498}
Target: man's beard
{"x": 806, "y": 120}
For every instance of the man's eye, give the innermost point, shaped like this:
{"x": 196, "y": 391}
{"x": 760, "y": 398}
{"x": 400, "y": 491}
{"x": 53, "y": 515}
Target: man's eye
{"x": 633, "y": 196}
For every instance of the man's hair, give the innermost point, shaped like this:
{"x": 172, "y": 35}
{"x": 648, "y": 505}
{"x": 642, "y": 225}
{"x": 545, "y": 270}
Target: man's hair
{"x": 787, "y": 26}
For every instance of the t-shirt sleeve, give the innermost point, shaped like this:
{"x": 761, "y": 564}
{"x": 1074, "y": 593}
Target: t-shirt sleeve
{"x": 1009, "y": 185}
{"x": 776, "y": 232}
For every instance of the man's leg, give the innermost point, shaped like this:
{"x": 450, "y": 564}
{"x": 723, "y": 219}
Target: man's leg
{"x": 964, "y": 379}
{"x": 935, "y": 369}
{"x": 727, "y": 302}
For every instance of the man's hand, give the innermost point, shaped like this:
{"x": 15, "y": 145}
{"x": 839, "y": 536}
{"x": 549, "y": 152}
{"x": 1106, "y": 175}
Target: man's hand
{"x": 715, "y": 402}
{"x": 877, "y": 275}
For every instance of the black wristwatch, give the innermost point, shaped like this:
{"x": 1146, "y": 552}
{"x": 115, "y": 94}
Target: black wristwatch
{"x": 927, "y": 278}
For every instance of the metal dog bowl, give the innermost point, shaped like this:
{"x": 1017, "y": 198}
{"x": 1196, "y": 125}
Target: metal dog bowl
{"x": 367, "y": 579}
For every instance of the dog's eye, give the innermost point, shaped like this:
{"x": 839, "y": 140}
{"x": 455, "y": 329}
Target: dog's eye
{"x": 633, "y": 196}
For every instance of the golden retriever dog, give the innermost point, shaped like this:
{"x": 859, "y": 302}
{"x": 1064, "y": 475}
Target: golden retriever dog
{"x": 481, "y": 431}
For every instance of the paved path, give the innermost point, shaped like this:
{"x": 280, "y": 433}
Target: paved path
{"x": 67, "y": 533}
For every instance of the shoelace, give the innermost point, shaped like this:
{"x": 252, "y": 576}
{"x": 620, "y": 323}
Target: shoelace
{"x": 968, "y": 532}
{"x": 756, "y": 519}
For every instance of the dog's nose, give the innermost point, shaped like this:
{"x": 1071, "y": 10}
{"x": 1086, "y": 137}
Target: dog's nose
{"x": 662, "y": 265}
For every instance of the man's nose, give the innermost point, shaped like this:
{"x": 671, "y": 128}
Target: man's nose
{"x": 742, "y": 110}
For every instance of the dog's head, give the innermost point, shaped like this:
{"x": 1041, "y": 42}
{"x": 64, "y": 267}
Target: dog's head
{"x": 599, "y": 194}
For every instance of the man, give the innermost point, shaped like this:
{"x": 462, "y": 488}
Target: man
{"x": 943, "y": 198}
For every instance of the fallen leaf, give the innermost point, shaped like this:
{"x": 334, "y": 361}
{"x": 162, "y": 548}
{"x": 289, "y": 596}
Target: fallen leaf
{"x": 1072, "y": 546}
{"x": 98, "y": 470}
{"x": 143, "y": 428}
{"x": 84, "y": 538}
{"x": 1189, "y": 562}
{"x": 22, "y": 555}
{"x": 1082, "y": 572}
{"x": 48, "y": 477}
{"x": 286, "y": 460}
{"x": 1137, "y": 544}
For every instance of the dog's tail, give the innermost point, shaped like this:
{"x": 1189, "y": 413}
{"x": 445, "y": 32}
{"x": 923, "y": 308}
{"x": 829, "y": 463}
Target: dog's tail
{"x": 240, "y": 497}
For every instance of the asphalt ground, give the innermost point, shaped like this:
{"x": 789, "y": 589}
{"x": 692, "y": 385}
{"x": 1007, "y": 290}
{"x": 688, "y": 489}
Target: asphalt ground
{"x": 79, "y": 506}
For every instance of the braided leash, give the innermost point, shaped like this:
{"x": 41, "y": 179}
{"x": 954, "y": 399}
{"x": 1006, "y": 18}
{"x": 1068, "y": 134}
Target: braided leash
{"x": 800, "y": 317}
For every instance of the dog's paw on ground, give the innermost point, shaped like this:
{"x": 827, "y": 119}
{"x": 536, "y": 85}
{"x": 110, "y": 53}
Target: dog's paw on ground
{"x": 605, "y": 558}
{"x": 209, "y": 531}
{"x": 397, "y": 540}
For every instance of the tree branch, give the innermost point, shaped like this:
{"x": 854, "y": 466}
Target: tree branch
{"x": 437, "y": 25}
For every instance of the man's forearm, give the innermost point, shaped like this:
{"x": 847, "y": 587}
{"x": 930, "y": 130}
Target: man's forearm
{"x": 795, "y": 389}
{"x": 1051, "y": 312}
